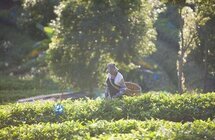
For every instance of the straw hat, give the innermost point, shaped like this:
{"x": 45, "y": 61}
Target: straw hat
{"x": 112, "y": 65}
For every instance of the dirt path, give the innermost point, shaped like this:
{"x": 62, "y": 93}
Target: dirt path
{"x": 55, "y": 97}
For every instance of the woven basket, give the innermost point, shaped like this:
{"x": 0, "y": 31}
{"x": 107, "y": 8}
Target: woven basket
{"x": 133, "y": 89}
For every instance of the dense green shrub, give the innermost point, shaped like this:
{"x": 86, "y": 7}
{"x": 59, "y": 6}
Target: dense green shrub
{"x": 122, "y": 129}
{"x": 187, "y": 107}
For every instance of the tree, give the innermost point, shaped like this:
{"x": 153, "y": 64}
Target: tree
{"x": 207, "y": 36}
{"x": 193, "y": 14}
{"x": 188, "y": 41}
{"x": 36, "y": 12}
{"x": 206, "y": 51}
{"x": 88, "y": 34}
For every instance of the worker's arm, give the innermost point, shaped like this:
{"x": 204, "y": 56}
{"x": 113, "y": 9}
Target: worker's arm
{"x": 122, "y": 89}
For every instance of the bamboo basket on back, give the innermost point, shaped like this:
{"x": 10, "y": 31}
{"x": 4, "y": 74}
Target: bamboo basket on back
{"x": 133, "y": 89}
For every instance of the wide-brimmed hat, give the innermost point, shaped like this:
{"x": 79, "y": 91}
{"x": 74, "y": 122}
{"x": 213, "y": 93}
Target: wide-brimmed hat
{"x": 112, "y": 65}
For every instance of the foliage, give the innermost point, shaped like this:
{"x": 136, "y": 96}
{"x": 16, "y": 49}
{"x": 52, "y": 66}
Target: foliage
{"x": 13, "y": 50}
{"x": 20, "y": 54}
{"x": 36, "y": 12}
{"x": 205, "y": 9}
{"x": 192, "y": 14}
{"x": 167, "y": 25}
{"x": 187, "y": 107}
{"x": 167, "y": 30}
{"x": 207, "y": 36}
{"x": 90, "y": 34}
{"x": 122, "y": 129}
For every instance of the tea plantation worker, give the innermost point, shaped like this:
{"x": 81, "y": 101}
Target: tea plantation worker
{"x": 115, "y": 85}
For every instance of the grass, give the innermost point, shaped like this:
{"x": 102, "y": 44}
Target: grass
{"x": 13, "y": 88}
{"x": 11, "y": 96}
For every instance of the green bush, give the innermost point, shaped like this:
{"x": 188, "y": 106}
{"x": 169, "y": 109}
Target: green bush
{"x": 180, "y": 108}
{"x": 122, "y": 129}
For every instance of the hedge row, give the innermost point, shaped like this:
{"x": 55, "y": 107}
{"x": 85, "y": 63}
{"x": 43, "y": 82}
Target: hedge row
{"x": 122, "y": 129}
{"x": 187, "y": 107}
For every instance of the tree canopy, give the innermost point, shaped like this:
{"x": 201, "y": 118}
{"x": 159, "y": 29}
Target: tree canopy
{"x": 89, "y": 34}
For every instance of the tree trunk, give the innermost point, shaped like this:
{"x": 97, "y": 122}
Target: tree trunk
{"x": 180, "y": 72}
{"x": 181, "y": 57}
{"x": 205, "y": 60}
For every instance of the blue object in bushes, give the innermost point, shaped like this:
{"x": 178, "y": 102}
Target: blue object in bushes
{"x": 155, "y": 76}
{"x": 58, "y": 109}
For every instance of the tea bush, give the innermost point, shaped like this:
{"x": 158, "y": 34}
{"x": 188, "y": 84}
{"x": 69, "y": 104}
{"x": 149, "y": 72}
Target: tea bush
{"x": 178, "y": 108}
{"x": 122, "y": 129}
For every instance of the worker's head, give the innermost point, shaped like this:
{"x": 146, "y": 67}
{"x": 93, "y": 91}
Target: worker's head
{"x": 112, "y": 69}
